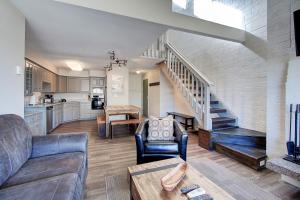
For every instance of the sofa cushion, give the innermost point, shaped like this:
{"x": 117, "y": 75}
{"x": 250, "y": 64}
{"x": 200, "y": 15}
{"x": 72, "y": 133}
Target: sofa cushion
{"x": 167, "y": 147}
{"x": 48, "y": 166}
{"x": 161, "y": 129}
{"x": 64, "y": 187}
{"x": 15, "y": 145}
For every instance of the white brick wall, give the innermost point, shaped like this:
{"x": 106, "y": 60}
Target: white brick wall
{"x": 239, "y": 74}
{"x": 281, "y": 48}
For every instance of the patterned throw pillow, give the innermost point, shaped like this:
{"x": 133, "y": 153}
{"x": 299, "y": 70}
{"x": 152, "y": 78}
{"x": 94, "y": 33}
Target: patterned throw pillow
{"x": 161, "y": 129}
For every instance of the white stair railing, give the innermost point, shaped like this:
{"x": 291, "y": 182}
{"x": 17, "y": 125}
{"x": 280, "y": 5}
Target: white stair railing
{"x": 193, "y": 85}
{"x": 157, "y": 50}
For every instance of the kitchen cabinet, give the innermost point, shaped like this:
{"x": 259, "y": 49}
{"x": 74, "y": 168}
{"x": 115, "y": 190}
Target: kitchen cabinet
{"x": 53, "y": 82}
{"x": 38, "y": 79}
{"x": 97, "y": 82}
{"x": 85, "y": 85}
{"x": 86, "y": 112}
{"x": 85, "y": 108}
{"x": 28, "y": 80}
{"x": 74, "y": 84}
{"x": 36, "y": 122}
{"x": 75, "y": 110}
{"x": 67, "y": 112}
{"x": 57, "y": 115}
{"x": 61, "y": 84}
{"x": 78, "y": 84}
{"x": 71, "y": 111}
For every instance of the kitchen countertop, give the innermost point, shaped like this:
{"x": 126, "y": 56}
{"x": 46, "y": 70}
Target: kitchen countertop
{"x": 42, "y": 105}
{"x": 28, "y": 114}
{"x": 45, "y": 105}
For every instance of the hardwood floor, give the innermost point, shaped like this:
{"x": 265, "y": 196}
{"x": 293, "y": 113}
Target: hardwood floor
{"x": 112, "y": 157}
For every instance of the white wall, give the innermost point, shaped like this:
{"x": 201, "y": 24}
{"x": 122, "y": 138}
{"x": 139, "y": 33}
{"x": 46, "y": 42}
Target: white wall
{"x": 281, "y": 49}
{"x": 120, "y": 99}
{"x": 292, "y": 95}
{"x": 135, "y": 89}
{"x": 12, "y": 53}
{"x": 166, "y": 96}
{"x": 153, "y": 92}
{"x": 238, "y": 71}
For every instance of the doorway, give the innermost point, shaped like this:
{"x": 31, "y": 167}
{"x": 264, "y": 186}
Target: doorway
{"x": 145, "y": 97}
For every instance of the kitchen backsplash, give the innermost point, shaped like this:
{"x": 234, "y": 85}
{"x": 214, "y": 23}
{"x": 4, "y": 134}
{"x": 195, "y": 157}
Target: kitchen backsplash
{"x": 68, "y": 96}
{"x": 71, "y": 96}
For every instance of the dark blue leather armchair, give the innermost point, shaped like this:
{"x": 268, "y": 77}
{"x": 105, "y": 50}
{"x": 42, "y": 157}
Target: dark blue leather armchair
{"x": 148, "y": 151}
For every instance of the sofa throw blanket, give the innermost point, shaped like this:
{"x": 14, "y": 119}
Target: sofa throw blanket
{"x": 161, "y": 129}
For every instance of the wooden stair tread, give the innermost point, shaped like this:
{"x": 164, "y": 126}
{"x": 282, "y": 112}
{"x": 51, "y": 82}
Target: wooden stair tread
{"x": 214, "y": 102}
{"x": 219, "y": 127}
{"x": 252, "y": 152}
{"x": 241, "y": 132}
{"x": 218, "y": 110}
{"x": 222, "y": 120}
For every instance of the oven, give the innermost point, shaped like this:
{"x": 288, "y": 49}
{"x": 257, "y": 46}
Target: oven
{"x": 97, "y": 103}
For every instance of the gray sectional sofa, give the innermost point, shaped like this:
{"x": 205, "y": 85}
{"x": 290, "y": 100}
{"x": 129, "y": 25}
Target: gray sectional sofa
{"x": 52, "y": 167}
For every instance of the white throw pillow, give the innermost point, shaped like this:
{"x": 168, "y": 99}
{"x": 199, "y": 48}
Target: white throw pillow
{"x": 161, "y": 129}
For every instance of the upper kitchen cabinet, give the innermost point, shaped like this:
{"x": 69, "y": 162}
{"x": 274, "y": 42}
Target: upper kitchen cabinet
{"x": 74, "y": 84}
{"x": 85, "y": 84}
{"x": 28, "y": 79}
{"x": 61, "y": 84}
{"x": 97, "y": 82}
{"x": 38, "y": 79}
{"x": 78, "y": 84}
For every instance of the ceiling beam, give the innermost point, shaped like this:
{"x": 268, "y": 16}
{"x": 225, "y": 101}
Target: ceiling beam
{"x": 160, "y": 12}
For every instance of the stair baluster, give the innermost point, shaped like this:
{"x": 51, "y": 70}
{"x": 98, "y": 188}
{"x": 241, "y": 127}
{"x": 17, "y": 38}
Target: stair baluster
{"x": 193, "y": 87}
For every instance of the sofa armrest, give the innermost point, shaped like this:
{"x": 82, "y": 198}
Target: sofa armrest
{"x": 140, "y": 138}
{"x": 181, "y": 137}
{"x": 55, "y": 144}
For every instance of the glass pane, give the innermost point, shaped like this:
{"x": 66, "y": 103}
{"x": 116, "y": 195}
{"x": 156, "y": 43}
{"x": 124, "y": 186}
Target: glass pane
{"x": 222, "y": 12}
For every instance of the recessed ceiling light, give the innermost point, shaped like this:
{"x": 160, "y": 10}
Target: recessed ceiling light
{"x": 138, "y": 72}
{"x": 74, "y": 65}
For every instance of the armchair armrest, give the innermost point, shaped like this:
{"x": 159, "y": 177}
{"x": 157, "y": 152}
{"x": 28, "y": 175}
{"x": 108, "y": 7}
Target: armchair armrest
{"x": 181, "y": 137}
{"x": 140, "y": 138}
{"x": 55, "y": 144}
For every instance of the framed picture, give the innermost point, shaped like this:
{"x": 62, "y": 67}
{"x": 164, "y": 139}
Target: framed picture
{"x": 117, "y": 88}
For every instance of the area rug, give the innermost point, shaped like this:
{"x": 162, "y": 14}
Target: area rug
{"x": 237, "y": 186}
{"x": 117, "y": 188}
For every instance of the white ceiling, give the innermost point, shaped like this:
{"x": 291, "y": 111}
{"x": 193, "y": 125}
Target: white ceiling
{"x": 56, "y": 32}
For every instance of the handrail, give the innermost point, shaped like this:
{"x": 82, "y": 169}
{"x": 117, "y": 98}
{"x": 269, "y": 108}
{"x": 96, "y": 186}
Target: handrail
{"x": 189, "y": 65}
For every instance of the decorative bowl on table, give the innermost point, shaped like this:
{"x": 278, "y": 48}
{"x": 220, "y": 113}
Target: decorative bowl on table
{"x": 173, "y": 178}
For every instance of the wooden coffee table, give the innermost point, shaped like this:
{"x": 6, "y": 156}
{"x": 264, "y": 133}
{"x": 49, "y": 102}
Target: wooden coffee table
{"x": 145, "y": 182}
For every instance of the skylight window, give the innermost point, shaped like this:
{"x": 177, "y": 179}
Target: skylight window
{"x": 218, "y": 12}
{"x": 180, "y": 3}
{"x": 210, "y": 10}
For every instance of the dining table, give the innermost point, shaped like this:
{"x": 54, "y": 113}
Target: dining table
{"x": 126, "y": 110}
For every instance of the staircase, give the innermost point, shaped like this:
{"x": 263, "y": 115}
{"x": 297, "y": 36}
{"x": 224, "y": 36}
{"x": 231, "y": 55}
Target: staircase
{"x": 218, "y": 129}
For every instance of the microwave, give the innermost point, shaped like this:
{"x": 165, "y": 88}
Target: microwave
{"x": 99, "y": 91}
